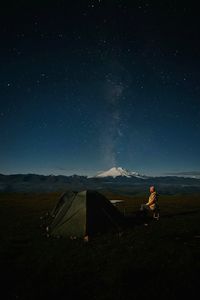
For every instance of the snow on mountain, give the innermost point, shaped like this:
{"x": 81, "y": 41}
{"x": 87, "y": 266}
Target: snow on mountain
{"x": 118, "y": 171}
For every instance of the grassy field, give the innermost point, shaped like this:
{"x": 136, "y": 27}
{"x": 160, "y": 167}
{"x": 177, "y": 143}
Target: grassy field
{"x": 161, "y": 260}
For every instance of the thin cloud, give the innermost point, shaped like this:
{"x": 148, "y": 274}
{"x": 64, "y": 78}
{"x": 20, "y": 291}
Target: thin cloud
{"x": 188, "y": 173}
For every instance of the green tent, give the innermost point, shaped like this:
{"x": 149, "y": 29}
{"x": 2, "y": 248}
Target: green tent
{"x": 86, "y": 213}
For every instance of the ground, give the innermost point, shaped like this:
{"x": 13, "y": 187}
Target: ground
{"x": 160, "y": 260}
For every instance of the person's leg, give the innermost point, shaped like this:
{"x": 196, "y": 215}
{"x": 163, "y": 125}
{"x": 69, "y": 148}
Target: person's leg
{"x": 144, "y": 207}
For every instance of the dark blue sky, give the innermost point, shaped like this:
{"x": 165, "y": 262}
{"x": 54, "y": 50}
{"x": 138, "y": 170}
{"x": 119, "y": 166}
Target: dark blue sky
{"x": 86, "y": 85}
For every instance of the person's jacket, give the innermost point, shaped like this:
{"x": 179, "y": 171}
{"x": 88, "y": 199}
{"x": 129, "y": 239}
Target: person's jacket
{"x": 153, "y": 201}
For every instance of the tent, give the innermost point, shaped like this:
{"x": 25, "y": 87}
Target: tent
{"x": 86, "y": 213}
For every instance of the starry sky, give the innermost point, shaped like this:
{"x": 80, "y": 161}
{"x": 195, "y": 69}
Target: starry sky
{"x": 88, "y": 85}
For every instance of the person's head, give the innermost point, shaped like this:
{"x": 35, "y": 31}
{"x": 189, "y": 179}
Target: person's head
{"x": 152, "y": 189}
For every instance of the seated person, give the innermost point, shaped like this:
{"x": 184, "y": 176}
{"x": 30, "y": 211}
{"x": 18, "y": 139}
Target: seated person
{"x": 152, "y": 204}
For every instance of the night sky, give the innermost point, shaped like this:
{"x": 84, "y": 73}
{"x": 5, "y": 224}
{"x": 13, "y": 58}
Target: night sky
{"x": 88, "y": 85}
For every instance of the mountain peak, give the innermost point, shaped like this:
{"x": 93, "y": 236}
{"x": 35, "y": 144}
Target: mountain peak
{"x": 118, "y": 171}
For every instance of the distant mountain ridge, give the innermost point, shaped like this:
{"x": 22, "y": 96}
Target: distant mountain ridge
{"x": 115, "y": 179}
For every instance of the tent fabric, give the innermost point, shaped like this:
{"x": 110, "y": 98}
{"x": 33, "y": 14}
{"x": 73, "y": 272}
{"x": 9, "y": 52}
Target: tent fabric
{"x": 66, "y": 197}
{"x": 78, "y": 214}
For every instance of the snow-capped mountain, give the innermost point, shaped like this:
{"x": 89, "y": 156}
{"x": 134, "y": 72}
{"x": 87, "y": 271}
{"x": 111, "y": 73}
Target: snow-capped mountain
{"x": 118, "y": 171}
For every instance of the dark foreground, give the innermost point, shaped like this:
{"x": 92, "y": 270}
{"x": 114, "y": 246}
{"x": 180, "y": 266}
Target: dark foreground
{"x": 160, "y": 260}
